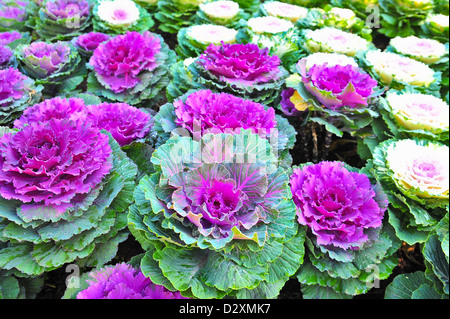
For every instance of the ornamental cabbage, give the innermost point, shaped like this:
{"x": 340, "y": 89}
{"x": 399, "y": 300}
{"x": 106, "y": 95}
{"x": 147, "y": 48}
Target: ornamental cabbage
{"x": 428, "y": 51}
{"x": 5, "y": 56}
{"x": 12, "y": 17}
{"x": 334, "y": 40}
{"x": 216, "y": 218}
{"x": 120, "y": 16}
{"x": 62, "y": 19}
{"x": 64, "y": 187}
{"x": 398, "y": 72}
{"x": 88, "y": 42}
{"x": 241, "y": 69}
{"x": 55, "y": 108}
{"x": 201, "y": 112}
{"x": 416, "y": 114}
{"x": 120, "y": 281}
{"x": 130, "y": 68}
{"x": 221, "y": 12}
{"x": 125, "y": 123}
{"x": 57, "y": 66}
{"x": 16, "y": 92}
{"x": 415, "y": 175}
{"x": 344, "y": 211}
{"x": 343, "y": 94}
{"x": 283, "y": 10}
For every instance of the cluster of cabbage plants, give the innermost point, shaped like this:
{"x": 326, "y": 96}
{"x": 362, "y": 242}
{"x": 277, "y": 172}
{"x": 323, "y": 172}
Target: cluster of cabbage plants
{"x": 175, "y": 124}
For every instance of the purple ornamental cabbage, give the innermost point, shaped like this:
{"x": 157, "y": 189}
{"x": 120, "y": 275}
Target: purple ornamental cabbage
{"x": 12, "y": 17}
{"x": 119, "y": 62}
{"x": 224, "y": 113}
{"x": 241, "y": 69}
{"x": 131, "y": 68}
{"x": 55, "y": 108}
{"x": 17, "y": 91}
{"x": 340, "y": 207}
{"x": 5, "y": 56}
{"x": 242, "y": 63}
{"x": 8, "y": 37}
{"x": 71, "y": 183}
{"x": 55, "y": 65}
{"x": 45, "y": 59}
{"x": 62, "y": 19}
{"x": 213, "y": 209}
{"x": 125, "y": 123}
{"x": 124, "y": 282}
{"x": 88, "y": 42}
{"x": 344, "y": 213}
{"x": 50, "y": 165}
{"x": 338, "y": 86}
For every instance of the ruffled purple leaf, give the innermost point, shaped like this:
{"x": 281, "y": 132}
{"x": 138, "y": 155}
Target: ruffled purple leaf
{"x": 51, "y": 165}
{"x": 124, "y": 282}
{"x": 338, "y": 86}
{"x": 242, "y": 63}
{"x": 340, "y": 207}
{"x": 125, "y": 123}
{"x": 119, "y": 62}
{"x": 90, "y": 41}
{"x": 205, "y": 111}
{"x": 56, "y": 108}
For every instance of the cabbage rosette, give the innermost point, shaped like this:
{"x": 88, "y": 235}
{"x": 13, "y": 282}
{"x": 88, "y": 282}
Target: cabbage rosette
{"x": 57, "y": 66}
{"x": 120, "y": 281}
{"x": 193, "y": 40}
{"x": 334, "y": 17}
{"x": 217, "y": 219}
{"x": 342, "y": 93}
{"x": 13, "y": 38}
{"x": 415, "y": 175}
{"x": 344, "y": 212}
{"x": 59, "y": 202}
{"x": 62, "y": 19}
{"x": 17, "y": 92}
{"x": 282, "y": 10}
{"x": 409, "y": 113}
{"x": 119, "y": 16}
{"x": 197, "y": 113}
{"x": 87, "y": 43}
{"x": 399, "y": 72}
{"x": 333, "y": 40}
{"x": 220, "y": 12}
{"x": 403, "y": 17}
{"x": 130, "y": 68}
{"x": 13, "y": 15}
{"x": 243, "y": 70}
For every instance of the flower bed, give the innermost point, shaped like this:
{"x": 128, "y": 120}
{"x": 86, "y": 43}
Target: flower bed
{"x": 211, "y": 149}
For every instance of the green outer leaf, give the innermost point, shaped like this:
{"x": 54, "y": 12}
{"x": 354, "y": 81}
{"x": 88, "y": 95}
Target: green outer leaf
{"x": 433, "y": 253}
{"x": 403, "y": 286}
{"x": 184, "y": 270}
